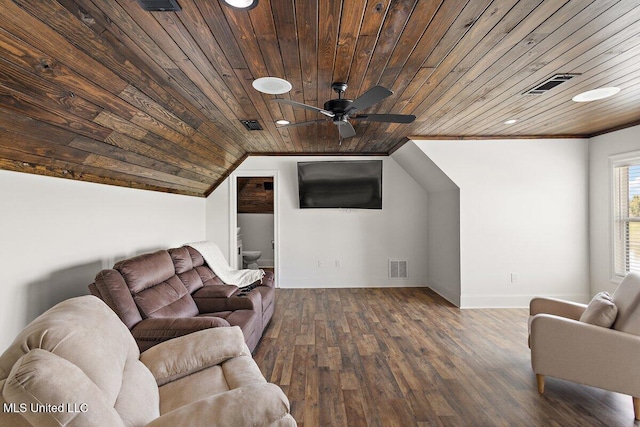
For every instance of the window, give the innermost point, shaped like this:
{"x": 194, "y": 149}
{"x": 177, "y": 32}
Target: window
{"x": 626, "y": 217}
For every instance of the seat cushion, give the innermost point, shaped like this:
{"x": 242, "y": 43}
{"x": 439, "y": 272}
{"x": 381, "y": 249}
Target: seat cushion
{"x": 234, "y": 373}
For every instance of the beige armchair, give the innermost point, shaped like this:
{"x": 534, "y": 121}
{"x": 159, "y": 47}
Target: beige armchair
{"x": 564, "y": 347}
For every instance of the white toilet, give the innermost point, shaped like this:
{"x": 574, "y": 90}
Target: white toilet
{"x": 250, "y": 258}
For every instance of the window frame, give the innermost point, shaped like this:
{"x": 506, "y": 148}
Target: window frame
{"x": 616, "y": 161}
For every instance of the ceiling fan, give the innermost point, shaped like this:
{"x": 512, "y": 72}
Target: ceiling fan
{"x": 340, "y": 110}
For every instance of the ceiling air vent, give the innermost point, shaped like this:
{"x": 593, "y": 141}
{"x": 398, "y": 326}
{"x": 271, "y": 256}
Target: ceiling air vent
{"x": 550, "y": 83}
{"x": 251, "y": 124}
{"x": 160, "y": 5}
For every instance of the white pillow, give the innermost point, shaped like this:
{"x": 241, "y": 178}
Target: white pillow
{"x": 601, "y": 311}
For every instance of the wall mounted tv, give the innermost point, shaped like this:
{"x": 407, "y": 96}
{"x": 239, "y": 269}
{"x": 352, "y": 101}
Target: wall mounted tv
{"x": 355, "y": 184}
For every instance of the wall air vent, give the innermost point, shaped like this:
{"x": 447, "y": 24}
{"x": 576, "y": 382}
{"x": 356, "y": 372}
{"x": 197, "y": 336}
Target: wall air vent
{"x": 398, "y": 269}
{"x": 160, "y": 5}
{"x": 550, "y": 83}
{"x": 251, "y": 124}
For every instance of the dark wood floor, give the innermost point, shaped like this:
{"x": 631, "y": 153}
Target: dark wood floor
{"x": 405, "y": 357}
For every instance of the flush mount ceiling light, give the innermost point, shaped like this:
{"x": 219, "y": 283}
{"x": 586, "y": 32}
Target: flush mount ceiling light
{"x": 594, "y": 95}
{"x": 271, "y": 85}
{"x": 282, "y": 122}
{"x": 510, "y": 121}
{"x": 241, "y": 4}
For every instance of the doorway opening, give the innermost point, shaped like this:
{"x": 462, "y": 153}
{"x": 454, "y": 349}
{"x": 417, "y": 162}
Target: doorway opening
{"x": 255, "y": 214}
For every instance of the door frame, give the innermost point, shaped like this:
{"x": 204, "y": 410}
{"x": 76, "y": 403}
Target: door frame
{"x": 233, "y": 214}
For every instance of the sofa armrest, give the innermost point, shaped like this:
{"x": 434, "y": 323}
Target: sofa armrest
{"x": 185, "y": 355}
{"x": 257, "y": 404}
{"x": 268, "y": 279}
{"x": 150, "y": 332}
{"x": 557, "y": 307}
{"x": 585, "y": 353}
{"x": 209, "y": 304}
{"x": 216, "y": 291}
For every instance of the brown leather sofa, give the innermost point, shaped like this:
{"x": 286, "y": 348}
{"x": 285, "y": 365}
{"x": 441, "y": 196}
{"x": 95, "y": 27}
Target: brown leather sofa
{"x": 170, "y": 293}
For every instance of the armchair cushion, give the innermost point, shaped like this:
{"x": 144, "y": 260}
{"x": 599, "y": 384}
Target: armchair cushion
{"x": 191, "y": 353}
{"x": 601, "y": 311}
{"x": 627, "y": 298}
{"x": 79, "y": 403}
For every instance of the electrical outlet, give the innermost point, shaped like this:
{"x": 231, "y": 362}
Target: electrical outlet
{"x": 514, "y": 278}
{"x": 338, "y": 263}
{"x": 320, "y": 263}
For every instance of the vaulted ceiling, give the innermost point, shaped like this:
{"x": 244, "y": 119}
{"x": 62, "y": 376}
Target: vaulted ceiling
{"x": 103, "y": 91}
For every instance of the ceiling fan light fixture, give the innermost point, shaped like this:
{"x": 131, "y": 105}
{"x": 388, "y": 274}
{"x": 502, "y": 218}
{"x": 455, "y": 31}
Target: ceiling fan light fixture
{"x": 596, "y": 94}
{"x": 241, "y": 4}
{"x": 271, "y": 85}
{"x": 282, "y": 122}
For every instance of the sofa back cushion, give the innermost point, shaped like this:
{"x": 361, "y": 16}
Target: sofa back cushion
{"x": 88, "y": 340}
{"x": 113, "y": 290}
{"x": 147, "y": 270}
{"x": 192, "y": 269}
{"x": 156, "y": 289}
{"x": 627, "y": 298}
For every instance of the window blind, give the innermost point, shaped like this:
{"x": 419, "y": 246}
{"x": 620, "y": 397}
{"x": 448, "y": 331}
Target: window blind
{"x": 626, "y": 219}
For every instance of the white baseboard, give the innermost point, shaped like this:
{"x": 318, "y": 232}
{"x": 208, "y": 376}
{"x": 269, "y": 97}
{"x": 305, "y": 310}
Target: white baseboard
{"x": 307, "y": 283}
{"x": 446, "y": 292}
{"x": 511, "y": 301}
{"x": 265, "y": 263}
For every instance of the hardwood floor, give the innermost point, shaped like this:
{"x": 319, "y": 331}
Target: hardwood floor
{"x": 406, "y": 357}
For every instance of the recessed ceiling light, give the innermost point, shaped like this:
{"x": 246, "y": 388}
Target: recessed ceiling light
{"x": 282, "y": 122}
{"x": 242, "y": 4}
{"x": 510, "y": 121}
{"x": 271, "y": 85}
{"x": 594, "y": 95}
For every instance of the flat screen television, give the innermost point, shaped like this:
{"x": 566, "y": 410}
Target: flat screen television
{"x": 350, "y": 184}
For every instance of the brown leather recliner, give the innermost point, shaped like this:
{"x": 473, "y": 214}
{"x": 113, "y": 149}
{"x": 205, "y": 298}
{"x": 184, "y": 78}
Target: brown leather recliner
{"x": 169, "y": 293}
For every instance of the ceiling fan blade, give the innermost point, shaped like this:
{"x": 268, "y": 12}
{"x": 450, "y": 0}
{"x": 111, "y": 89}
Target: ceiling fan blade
{"x": 292, "y": 125}
{"x": 301, "y": 105}
{"x": 388, "y": 118}
{"x": 346, "y": 129}
{"x": 370, "y": 97}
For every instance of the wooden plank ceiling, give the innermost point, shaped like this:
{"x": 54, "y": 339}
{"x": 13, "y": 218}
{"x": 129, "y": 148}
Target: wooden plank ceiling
{"x": 103, "y": 91}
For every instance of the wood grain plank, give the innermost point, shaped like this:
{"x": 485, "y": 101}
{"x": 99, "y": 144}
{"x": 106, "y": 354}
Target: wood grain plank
{"x": 118, "y": 153}
{"x": 449, "y": 367}
{"x": 583, "y": 56}
{"x": 525, "y": 41}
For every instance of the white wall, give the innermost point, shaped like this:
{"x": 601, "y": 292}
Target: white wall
{"x": 523, "y": 211}
{"x": 218, "y": 221}
{"x": 600, "y": 184}
{"x": 443, "y": 220}
{"x": 337, "y": 247}
{"x": 444, "y": 244}
{"x": 57, "y": 234}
